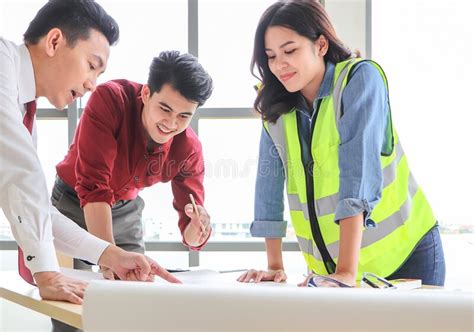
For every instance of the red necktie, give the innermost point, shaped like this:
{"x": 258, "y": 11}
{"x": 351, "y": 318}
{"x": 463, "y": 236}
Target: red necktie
{"x": 29, "y": 117}
{"x": 28, "y": 121}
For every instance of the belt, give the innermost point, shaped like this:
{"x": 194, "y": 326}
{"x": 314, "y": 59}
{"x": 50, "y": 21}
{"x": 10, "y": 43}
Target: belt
{"x": 65, "y": 187}
{"x": 120, "y": 202}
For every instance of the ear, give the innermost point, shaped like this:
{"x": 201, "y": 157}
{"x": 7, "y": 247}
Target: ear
{"x": 323, "y": 44}
{"x": 53, "y": 40}
{"x": 145, "y": 93}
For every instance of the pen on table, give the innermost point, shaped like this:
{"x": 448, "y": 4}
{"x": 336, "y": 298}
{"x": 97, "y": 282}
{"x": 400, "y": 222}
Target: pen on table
{"x": 231, "y": 271}
{"x": 176, "y": 270}
{"x": 193, "y": 202}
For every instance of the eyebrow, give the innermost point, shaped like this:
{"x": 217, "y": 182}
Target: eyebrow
{"x": 282, "y": 45}
{"x": 165, "y": 105}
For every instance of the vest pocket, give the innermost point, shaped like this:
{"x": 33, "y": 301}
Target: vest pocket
{"x": 326, "y": 161}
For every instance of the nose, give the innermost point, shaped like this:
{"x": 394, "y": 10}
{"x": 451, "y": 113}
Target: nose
{"x": 171, "y": 121}
{"x": 91, "y": 84}
{"x": 281, "y": 63}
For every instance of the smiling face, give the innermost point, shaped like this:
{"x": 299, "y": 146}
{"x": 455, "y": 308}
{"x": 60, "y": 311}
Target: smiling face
{"x": 67, "y": 73}
{"x": 166, "y": 113}
{"x": 296, "y": 61}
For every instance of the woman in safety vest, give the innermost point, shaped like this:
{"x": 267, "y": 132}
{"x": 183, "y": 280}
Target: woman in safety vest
{"x": 328, "y": 135}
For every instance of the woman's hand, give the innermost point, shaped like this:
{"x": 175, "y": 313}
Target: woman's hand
{"x": 257, "y": 276}
{"x": 344, "y": 277}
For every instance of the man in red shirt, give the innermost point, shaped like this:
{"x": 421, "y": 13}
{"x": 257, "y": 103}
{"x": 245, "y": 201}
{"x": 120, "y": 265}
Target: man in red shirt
{"x": 132, "y": 136}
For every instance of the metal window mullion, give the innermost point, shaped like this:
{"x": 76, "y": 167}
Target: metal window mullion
{"x": 368, "y": 29}
{"x": 193, "y": 48}
{"x": 50, "y": 113}
{"x": 193, "y": 25}
{"x": 213, "y": 246}
{"x": 72, "y": 119}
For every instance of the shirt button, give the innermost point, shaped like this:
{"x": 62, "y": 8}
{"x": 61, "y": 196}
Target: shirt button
{"x": 29, "y": 258}
{"x": 160, "y": 148}
{"x": 19, "y": 219}
{"x": 145, "y": 156}
{"x": 136, "y": 178}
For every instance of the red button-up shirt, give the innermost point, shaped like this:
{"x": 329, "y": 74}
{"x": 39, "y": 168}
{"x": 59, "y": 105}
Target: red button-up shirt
{"x": 108, "y": 159}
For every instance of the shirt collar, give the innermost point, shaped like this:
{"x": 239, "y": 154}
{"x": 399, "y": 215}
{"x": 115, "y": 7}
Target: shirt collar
{"x": 324, "y": 89}
{"x": 26, "y": 79}
{"x": 326, "y": 84}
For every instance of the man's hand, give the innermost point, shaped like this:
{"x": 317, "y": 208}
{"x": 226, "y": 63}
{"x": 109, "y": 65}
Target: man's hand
{"x": 199, "y": 228}
{"x": 133, "y": 266}
{"x": 156, "y": 270}
{"x": 58, "y": 287}
{"x": 107, "y": 273}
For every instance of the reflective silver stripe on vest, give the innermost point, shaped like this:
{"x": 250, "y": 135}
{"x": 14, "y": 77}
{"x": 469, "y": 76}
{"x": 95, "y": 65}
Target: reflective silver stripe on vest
{"x": 323, "y": 206}
{"x": 370, "y": 236}
{"x": 337, "y": 92}
{"x": 327, "y": 205}
{"x": 306, "y": 246}
{"x": 390, "y": 172}
{"x": 277, "y": 133}
{"x": 295, "y": 205}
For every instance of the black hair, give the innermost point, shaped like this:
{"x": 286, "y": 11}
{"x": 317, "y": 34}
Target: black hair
{"x": 184, "y": 73}
{"x": 309, "y": 19}
{"x": 75, "y": 18}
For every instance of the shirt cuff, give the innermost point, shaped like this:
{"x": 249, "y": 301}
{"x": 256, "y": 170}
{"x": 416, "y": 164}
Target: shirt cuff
{"x": 350, "y": 207}
{"x": 40, "y": 256}
{"x": 92, "y": 248}
{"x": 268, "y": 228}
{"x": 199, "y": 247}
{"x": 97, "y": 195}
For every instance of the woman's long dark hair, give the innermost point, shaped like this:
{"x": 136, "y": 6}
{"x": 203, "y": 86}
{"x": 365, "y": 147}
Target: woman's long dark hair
{"x": 309, "y": 19}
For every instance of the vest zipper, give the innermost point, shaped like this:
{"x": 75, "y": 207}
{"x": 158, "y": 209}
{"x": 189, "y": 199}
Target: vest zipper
{"x": 313, "y": 219}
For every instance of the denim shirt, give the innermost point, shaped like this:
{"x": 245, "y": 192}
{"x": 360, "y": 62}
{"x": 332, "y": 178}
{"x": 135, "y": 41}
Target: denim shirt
{"x": 361, "y": 131}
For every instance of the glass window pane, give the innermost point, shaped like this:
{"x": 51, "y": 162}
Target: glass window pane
{"x": 293, "y": 261}
{"x": 170, "y": 259}
{"x": 52, "y": 146}
{"x": 147, "y": 27}
{"x": 226, "y": 32}
{"x": 142, "y": 26}
{"x": 5, "y": 231}
{"x": 230, "y": 175}
{"x": 428, "y": 67}
{"x": 15, "y": 16}
{"x": 159, "y": 217}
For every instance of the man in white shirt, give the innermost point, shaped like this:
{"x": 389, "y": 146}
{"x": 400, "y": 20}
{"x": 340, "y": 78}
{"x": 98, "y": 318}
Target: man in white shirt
{"x": 66, "y": 48}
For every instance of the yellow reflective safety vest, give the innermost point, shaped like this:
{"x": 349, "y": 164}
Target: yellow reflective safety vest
{"x": 402, "y": 216}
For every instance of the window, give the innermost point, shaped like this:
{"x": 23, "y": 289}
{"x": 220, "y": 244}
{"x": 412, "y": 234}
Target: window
{"x": 429, "y": 78}
{"x": 52, "y": 146}
{"x": 145, "y": 28}
{"x": 226, "y": 30}
{"x": 231, "y": 159}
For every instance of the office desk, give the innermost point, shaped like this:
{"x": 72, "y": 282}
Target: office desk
{"x": 16, "y": 290}
{"x": 434, "y": 315}
{"x": 13, "y": 288}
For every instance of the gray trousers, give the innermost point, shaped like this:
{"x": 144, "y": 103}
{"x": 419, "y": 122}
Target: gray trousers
{"x": 126, "y": 223}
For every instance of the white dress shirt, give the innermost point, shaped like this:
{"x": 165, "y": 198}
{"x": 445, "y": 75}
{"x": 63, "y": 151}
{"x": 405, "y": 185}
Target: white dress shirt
{"x": 37, "y": 226}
